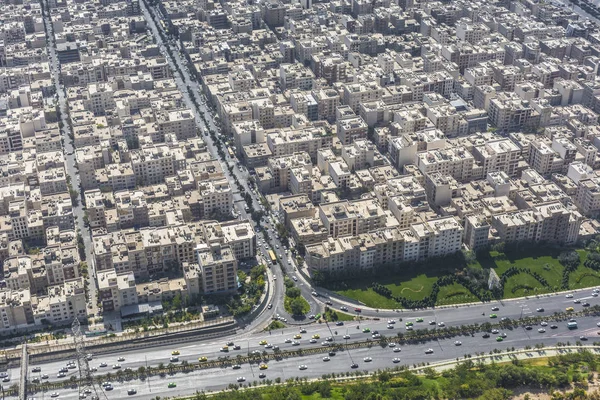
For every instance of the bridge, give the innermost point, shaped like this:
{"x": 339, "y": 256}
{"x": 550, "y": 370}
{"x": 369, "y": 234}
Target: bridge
{"x": 23, "y": 377}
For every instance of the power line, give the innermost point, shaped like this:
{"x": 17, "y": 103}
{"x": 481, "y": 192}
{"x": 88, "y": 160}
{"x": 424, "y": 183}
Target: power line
{"x": 87, "y": 386}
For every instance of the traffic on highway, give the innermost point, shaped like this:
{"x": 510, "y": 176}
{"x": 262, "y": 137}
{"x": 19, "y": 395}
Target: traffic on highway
{"x": 328, "y": 348}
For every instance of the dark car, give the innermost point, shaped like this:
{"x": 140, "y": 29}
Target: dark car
{"x": 355, "y": 365}
{"x": 486, "y": 335}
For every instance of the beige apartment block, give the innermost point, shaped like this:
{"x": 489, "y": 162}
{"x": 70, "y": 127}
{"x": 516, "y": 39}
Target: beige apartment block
{"x": 456, "y": 162}
{"x": 219, "y": 268}
{"x": 116, "y": 290}
{"x": 15, "y": 308}
{"x": 62, "y": 304}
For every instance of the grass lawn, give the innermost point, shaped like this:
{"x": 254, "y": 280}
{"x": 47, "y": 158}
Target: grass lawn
{"x": 453, "y": 294}
{"x": 333, "y": 315}
{"x": 275, "y": 325}
{"x": 416, "y": 288}
{"x": 583, "y": 277}
{"x": 369, "y": 297}
{"x": 415, "y": 285}
{"x": 523, "y": 285}
{"x": 546, "y": 266}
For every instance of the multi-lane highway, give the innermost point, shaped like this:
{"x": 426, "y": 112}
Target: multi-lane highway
{"x": 382, "y": 357}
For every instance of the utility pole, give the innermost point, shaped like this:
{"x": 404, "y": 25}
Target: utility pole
{"x": 148, "y": 375}
{"x": 87, "y": 386}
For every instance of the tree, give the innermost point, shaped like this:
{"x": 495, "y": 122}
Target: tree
{"x": 177, "y": 302}
{"x": 293, "y": 292}
{"x": 297, "y": 306}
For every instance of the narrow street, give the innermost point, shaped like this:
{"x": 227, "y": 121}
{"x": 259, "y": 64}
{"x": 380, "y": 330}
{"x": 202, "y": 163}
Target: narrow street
{"x": 185, "y": 82}
{"x": 71, "y": 164}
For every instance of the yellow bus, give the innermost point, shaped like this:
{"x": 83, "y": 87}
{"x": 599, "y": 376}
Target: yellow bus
{"x": 272, "y": 256}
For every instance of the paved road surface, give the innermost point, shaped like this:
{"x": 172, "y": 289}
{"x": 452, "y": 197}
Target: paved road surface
{"x": 220, "y": 378}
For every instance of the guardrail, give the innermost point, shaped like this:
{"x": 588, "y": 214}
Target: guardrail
{"x": 140, "y": 342}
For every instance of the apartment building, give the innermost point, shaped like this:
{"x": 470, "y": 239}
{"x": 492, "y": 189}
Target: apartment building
{"x": 385, "y": 247}
{"x": 116, "y": 290}
{"x": 219, "y": 268}
{"x": 547, "y": 223}
{"x": 456, "y": 162}
{"x": 153, "y": 164}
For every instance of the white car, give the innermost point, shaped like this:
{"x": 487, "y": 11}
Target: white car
{"x": 429, "y": 351}
{"x": 569, "y": 296}
{"x": 241, "y": 379}
{"x": 495, "y": 331}
{"x": 315, "y": 340}
{"x": 288, "y": 340}
{"x": 302, "y": 367}
{"x": 458, "y": 343}
{"x": 121, "y": 359}
{"x": 544, "y": 323}
{"x": 367, "y": 359}
{"x": 396, "y": 360}
{"x": 116, "y": 366}
{"x": 392, "y": 344}
{"x": 326, "y": 358}
{"x": 441, "y": 324}
{"x": 348, "y": 336}
{"x": 268, "y": 346}
{"x": 390, "y": 326}
{"x": 174, "y": 359}
{"x": 391, "y": 322}
{"x": 397, "y": 349}
{"x": 541, "y": 330}
{"x": 55, "y": 394}
{"x": 103, "y": 365}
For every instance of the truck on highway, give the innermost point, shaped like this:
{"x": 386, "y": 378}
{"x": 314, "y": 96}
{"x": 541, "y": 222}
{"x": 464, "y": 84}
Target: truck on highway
{"x": 572, "y": 325}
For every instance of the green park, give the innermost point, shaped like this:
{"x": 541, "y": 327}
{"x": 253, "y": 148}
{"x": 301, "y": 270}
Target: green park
{"x": 517, "y": 271}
